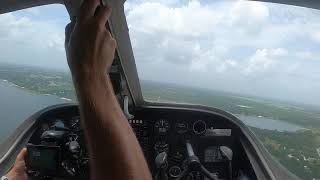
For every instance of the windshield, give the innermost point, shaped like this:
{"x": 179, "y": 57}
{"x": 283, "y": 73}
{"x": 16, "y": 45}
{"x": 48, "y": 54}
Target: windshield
{"x": 33, "y": 67}
{"x": 259, "y": 61}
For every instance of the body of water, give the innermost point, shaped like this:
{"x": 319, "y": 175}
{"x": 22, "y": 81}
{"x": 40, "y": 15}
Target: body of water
{"x": 17, "y": 104}
{"x": 270, "y": 124}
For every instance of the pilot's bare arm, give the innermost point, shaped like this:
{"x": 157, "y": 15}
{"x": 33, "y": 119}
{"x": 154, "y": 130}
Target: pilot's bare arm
{"x": 114, "y": 150}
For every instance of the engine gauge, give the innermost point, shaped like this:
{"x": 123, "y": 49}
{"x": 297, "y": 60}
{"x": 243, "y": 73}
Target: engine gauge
{"x": 178, "y": 157}
{"x": 75, "y": 123}
{"x": 199, "y": 127}
{"x": 181, "y": 127}
{"x": 161, "y": 127}
{"x": 161, "y": 146}
{"x": 175, "y": 171}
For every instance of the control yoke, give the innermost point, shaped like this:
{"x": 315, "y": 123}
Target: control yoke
{"x": 193, "y": 164}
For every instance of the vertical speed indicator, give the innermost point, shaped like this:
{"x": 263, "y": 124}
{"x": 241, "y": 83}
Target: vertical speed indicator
{"x": 161, "y": 127}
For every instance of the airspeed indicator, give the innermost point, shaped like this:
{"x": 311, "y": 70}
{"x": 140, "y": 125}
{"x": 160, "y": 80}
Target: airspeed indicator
{"x": 161, "y": 127}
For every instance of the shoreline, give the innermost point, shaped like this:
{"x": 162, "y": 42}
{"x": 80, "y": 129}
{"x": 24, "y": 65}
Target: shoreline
{"x": 32, "y": 91}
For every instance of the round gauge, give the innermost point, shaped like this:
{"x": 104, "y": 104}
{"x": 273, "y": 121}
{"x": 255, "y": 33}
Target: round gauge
{"x": 75, "y": 123}
{"x": 181, "y": 127}
{"x": 178, "y": 157}
{"x": 175, "y": 171}
{"x": 199, "y": 127}
{"x": 161, "y": 127}
{"x": 161, "y": 146}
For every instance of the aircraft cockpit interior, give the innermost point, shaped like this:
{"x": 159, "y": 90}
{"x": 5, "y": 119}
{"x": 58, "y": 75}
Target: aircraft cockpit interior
{"x": 180, "y": 141}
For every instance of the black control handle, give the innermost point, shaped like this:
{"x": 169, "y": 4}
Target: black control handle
{"x": 161, "y": 162}
{"x": 193, "y": 164}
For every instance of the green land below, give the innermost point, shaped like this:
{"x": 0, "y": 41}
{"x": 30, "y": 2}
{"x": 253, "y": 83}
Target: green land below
{"x": 298, "y": 151}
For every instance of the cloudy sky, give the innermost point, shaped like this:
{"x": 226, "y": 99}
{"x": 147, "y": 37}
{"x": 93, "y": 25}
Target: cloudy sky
{"x": 243, "y": 47}
{"x": 34, "y": 36}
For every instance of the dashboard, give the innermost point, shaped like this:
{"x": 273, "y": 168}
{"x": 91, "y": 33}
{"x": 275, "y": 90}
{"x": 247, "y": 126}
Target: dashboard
{"x": 163, "y": 135}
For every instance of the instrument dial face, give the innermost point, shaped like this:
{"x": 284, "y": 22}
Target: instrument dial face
{"x": 161, "y": 127}
{"x": 161, "y": 146}
{"x": 199, "y": 127}
{"x": 175, "y": 171}
{"x": 181, "y": 127}
{"x": 75, "y": 123}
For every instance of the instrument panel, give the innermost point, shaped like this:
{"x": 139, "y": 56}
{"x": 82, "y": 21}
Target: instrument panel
{"x": 166, "y": 132}
{"x": 163, "y": 137}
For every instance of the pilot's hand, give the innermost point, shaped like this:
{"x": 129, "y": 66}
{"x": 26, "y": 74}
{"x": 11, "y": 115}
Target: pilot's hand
{"x": 89, "y": 45}
{"x": 19, "y": 170}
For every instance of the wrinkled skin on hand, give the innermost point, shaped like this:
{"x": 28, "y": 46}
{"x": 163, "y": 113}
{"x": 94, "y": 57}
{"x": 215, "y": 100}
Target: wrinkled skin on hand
{"x": 89, "y": 45}
{"x": 19, "y": 169}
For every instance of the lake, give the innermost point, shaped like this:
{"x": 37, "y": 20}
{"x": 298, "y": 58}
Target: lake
{"x": 270, "y": 124}
{"x": 17, "y": 104}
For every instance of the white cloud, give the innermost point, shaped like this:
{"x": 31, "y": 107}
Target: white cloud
{"x": 32, "y": 42}
{"x": 192, "y": 20}
{"x": 305, "y": 55}
{"x": 264, "y": 59}
{"x": 315, "y": 35}
{"x": 198, "y": 66}
{"x": 231, "y": 62}
{"x": 278, "y": 52}
{"x": 193, "y": 42}
{"x": 248, "y": 14}
{"x": 192, "y": 35}
{"x": 201, "y": 36}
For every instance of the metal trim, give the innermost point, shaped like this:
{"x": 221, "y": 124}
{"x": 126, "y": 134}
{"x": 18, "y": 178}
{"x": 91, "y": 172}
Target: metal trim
{"x": 120, "y": 31}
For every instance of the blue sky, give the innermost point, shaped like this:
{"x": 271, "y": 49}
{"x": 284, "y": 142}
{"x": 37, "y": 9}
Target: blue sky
{"x": 244, "y": 47}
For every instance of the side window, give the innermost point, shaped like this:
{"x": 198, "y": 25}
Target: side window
{"x": 33, "y": 67}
